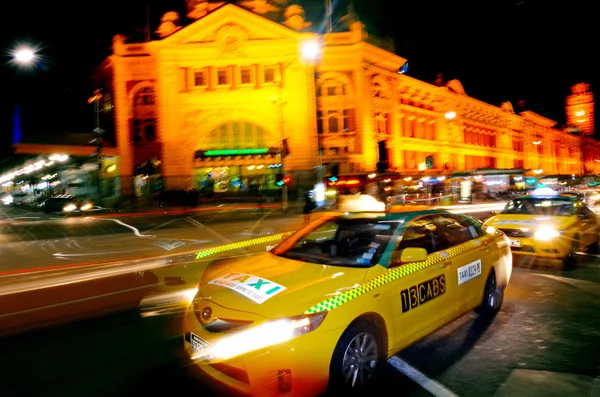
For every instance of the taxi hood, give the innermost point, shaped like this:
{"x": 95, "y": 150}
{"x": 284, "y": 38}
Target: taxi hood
{"x": 511, "y": 221}
{"x": 271, "y": 286}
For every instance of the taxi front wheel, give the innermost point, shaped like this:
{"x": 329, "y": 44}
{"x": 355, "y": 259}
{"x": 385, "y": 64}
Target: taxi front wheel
{"x": 355, "y": 358}
{"x": 493, "y": 296}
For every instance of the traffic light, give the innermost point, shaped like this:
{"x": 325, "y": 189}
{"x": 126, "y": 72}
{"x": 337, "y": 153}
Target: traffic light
{"x": 281, "y": 180}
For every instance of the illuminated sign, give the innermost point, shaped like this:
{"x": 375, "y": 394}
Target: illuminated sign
{"x": 236, "y": 152}
{"x": 349, "y": 182}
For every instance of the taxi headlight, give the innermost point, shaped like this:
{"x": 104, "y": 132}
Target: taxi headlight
{"x": 266, "y": 334}
{"x": 86, "y": 207}
{"x": 69, "y": 208}
{"x": 546, "y": 233}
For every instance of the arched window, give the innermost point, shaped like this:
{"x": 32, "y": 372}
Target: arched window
{"x": 332, "y": 87}
{"x": 237, "y": 135}
{"x": 381, "y": 88}
{"x": 143, "y": 127}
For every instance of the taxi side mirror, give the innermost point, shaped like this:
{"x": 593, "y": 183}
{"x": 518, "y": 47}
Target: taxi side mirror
{"x": 411, "y": 254}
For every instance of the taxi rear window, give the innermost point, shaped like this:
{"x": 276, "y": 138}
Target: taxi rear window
{"x": 540, "y": 206}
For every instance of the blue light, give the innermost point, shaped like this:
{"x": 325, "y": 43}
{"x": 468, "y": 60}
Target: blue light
{"x": 17, "y": 125}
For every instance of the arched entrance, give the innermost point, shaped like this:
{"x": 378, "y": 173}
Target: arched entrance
{"x": 237, "y": 157}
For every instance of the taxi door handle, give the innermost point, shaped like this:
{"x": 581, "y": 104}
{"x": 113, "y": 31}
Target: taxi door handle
{"x": 446, "y": 263}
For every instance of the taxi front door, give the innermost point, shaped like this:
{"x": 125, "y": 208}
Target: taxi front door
{"x": 424, "y": 297}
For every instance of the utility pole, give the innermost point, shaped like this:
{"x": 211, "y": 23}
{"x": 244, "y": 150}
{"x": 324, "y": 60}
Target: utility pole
{"x": 329, "y": 15}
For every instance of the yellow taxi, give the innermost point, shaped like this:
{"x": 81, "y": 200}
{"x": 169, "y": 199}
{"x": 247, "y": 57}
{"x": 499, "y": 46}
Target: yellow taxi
{"x": 547, "y": 224}
{"x": 329, "y": 303}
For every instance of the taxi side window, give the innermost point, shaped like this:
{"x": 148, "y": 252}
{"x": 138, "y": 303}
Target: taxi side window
{"x": 455, "y": 230}
{"x": 421, "y": 233}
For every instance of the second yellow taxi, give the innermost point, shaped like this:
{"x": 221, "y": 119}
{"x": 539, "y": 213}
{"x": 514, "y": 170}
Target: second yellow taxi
{"x": 546, "y": 224}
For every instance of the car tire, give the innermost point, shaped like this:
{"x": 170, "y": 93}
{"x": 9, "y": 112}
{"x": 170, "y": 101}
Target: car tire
{"x": 355, "y": 359}
{"x": 493, "y": 297}
{"x": 570, "y": 261}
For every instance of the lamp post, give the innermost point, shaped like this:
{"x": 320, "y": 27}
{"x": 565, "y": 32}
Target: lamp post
{"x": 98, "y": 138}
{"x": 309, "y": 52}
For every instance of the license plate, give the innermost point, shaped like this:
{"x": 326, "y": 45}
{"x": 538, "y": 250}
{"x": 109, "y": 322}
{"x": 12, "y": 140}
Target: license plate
{"x": 199, "y": 345}
{"x": 515, "y": 243}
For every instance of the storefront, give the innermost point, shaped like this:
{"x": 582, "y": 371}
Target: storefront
{"x": 242, "y": 171}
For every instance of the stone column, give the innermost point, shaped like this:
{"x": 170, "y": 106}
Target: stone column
{"x": 122, "y": 125}
{"x": 177, "y": 165}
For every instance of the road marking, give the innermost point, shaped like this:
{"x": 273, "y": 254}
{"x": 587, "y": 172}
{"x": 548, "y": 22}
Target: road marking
{"x": 584, "y": 285}
{"x": 433, "y": 387}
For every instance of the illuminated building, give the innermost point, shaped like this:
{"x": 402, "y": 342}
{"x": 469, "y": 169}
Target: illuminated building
{"x": 233, "y": 81}
{"x": 215, "y": 102}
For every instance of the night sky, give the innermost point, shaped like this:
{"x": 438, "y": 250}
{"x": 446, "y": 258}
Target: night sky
{"x": 515, "y": 50}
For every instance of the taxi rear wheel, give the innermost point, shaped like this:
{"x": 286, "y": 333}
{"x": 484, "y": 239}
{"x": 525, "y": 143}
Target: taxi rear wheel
{"x": 355, "y": 358}
{"x": 493, "y": 296}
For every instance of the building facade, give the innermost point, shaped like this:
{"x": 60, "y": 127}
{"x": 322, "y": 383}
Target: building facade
{"x": 229, "y": 103}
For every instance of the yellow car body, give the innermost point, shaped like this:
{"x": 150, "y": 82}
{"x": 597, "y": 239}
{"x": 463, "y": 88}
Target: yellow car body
{"x": 282, "y": 323}
{"x": 547, "y": 226}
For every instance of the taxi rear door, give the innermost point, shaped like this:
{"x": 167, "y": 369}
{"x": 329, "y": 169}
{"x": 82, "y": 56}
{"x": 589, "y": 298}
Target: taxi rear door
{"x": 423, "y": 295}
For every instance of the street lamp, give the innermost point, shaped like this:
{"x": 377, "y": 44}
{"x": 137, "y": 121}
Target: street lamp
{"x": 24, "y": 55}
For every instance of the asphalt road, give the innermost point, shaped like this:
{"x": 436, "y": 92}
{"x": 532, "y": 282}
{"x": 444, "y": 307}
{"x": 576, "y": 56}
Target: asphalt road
{"x": 545, "y": 341}
{"x": 31, "y": 240}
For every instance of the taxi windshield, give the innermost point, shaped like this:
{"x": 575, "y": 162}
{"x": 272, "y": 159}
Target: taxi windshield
{"x": 342, "y": 242}
{"x": 553, "y": 206}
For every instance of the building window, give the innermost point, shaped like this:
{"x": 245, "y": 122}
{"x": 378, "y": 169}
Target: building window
{"x": 332, "y": 121}
{"x": 144, "y": 97}
{"x": 247, "y": 76}
{"x": 334, "y": 151}
{"x": 143, "y": 130}
{"x": 223, "y": 77}
{"x": 332, "y": 87}
{"x": 269, "y": 74}
{"x": 381, "y": 123}
{"x": 200, "y": 78}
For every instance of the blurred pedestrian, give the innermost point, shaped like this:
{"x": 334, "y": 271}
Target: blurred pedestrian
{"x": 309, "y": 205}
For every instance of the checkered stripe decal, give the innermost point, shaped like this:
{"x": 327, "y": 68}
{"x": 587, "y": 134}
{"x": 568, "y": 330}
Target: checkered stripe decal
{"x": 392, "y": 275}
{"x": 241, "y": 244}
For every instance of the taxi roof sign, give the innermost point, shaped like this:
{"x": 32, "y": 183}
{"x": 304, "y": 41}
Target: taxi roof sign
{"x": 544, "y": 191}
{"x": 360, "y": 203}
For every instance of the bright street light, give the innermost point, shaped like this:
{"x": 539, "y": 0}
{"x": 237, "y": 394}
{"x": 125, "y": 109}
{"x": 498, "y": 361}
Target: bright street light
{"x": 24, "y": 55}
{"x": 310, "y": 50}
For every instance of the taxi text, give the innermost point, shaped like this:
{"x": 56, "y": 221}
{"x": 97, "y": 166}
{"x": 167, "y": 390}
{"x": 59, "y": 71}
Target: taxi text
{"x": 422, "y": 293}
